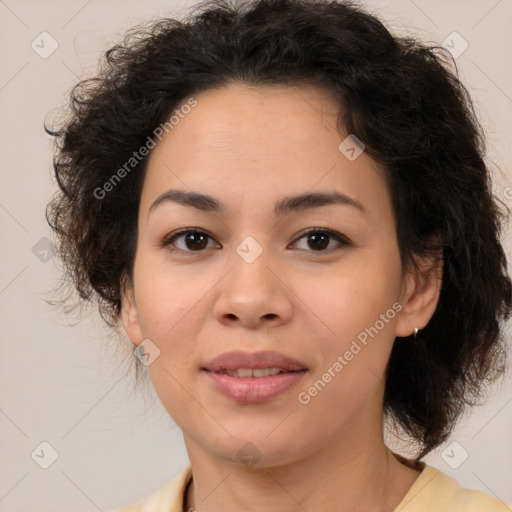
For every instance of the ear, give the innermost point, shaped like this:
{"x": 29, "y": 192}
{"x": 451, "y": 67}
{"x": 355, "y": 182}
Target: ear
{"x": 420, "y": 295}
{"x": 129, "y": 312}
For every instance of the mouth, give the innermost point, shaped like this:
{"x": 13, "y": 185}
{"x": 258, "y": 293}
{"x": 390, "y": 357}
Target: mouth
{"x": 252, "y": 372}
{"x": 253, "y": 378}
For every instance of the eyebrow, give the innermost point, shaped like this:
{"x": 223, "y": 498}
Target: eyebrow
{"x": 284, "y": 206}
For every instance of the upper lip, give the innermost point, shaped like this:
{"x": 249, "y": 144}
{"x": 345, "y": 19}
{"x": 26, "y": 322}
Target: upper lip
{"x": 266, "y": 359}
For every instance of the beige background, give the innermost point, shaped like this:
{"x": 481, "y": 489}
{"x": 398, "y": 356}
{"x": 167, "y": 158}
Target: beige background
{"x": 69, "y": 385}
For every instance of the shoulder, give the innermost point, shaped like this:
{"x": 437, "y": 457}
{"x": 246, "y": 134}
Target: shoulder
{"x": 435, "y": 491}
{"x": 168, "y": 497}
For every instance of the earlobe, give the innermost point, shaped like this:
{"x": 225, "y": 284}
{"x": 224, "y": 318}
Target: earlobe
{"x": 129, "y": 313}
{"x": 420, "y": 297}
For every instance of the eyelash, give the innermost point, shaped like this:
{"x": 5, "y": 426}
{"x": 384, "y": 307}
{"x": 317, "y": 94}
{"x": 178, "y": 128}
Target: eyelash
{"x": 344, "y": 241}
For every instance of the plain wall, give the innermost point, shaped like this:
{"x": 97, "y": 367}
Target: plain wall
{"x": 67, "y": 383}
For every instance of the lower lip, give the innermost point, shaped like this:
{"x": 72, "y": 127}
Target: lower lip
{"x": 254, "y": 390}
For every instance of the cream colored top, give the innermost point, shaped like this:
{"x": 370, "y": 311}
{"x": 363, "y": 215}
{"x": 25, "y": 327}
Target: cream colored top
{"x": 433, "y": 491}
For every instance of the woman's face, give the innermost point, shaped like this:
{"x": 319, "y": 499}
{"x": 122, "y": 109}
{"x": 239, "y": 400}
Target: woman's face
{"x": 249, "y": 278}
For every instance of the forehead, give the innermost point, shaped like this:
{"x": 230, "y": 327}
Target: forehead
{"x": 258, "y": 140}
{"x": 238, "y": 118}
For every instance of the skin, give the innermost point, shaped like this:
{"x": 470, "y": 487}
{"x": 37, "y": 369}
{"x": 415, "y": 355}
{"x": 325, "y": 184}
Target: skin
{"x": 249, "y": 147}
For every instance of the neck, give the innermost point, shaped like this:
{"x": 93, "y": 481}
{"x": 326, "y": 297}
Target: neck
{"x": 343, "y": 477}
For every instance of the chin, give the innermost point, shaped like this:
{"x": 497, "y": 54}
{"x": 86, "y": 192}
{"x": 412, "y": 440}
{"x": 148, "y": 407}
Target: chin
{"x": 259, "y": 451}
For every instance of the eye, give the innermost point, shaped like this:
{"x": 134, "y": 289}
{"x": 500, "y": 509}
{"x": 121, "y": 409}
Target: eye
{"x": 319, "y": 240}
{"x": 194, "y": 240}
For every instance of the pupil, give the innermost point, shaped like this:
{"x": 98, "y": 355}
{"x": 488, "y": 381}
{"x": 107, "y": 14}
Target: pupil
{"x": 315, "y": 239}
{"x": 195, "y": 238}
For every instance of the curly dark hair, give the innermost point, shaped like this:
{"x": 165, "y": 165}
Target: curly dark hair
{"x": 399, "y": 96}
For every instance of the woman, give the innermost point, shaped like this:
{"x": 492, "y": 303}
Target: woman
{"x": 288, "y": 210}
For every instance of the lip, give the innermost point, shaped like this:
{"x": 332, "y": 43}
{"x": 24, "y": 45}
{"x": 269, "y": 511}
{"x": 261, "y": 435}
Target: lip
{"x": 265, "y": 359}
{"x": 253, "y": 390}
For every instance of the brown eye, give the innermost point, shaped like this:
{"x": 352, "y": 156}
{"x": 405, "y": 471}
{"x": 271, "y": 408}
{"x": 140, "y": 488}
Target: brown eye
{"x": 319, "y": 240}
{"x": 191, "y": 240}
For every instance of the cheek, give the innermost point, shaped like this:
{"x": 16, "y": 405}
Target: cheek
{"x": 358, "y": 311}
{"x": 171, "y": 311}
{"x": 349, "y": 379}
{"x": 166, "y": 294}
{"x": 351, "y": 298}
{"x": 172, "y": 316}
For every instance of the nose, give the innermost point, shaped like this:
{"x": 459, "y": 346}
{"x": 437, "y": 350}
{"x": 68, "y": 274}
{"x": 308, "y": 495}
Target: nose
{"x": 253, "y": 295}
